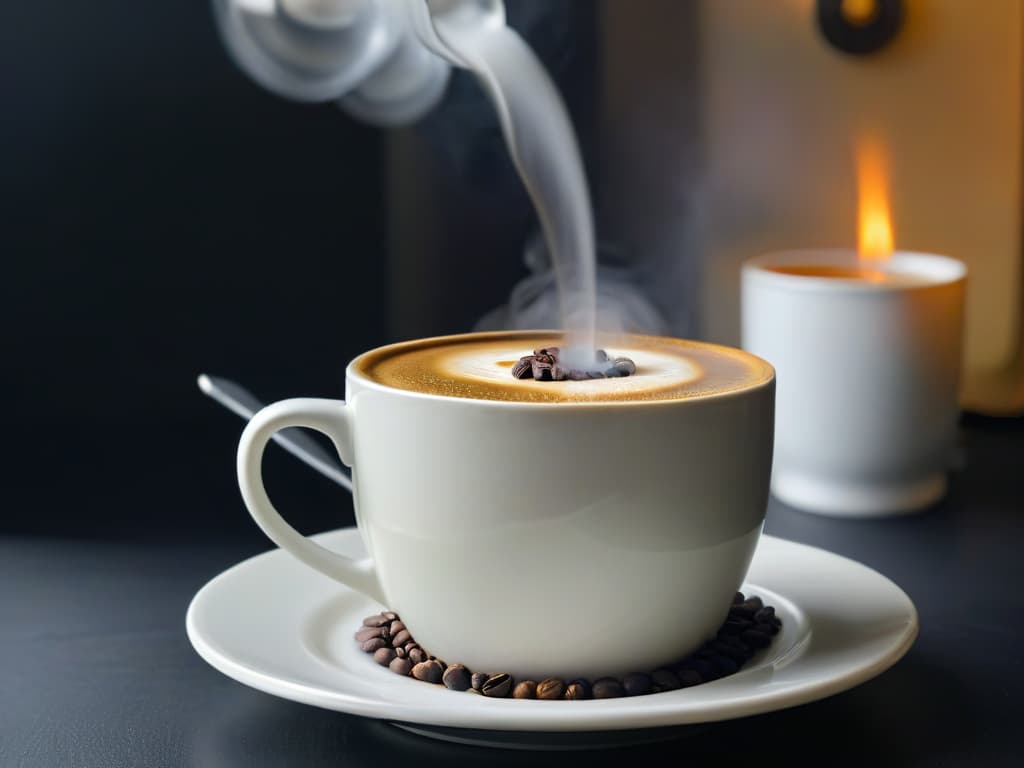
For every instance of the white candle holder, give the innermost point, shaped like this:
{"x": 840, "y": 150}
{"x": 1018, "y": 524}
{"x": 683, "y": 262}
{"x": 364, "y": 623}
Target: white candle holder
{"x": 867, "y": 358}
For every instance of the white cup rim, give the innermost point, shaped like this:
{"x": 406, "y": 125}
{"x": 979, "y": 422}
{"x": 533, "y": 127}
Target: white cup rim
{"x": 934, "y": 269}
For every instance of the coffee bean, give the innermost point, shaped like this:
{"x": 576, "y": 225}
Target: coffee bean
{"x": 756, "y": 639}
{"x": 706, "y": 651}
{"x": 765, "y": 628}
{"x": 400, "y": 666}
{"x": 748, "y": 608}
{"x": 577, "y": 690}
{"x": 371, "y": 645}
{"x": 725, "y": 665}
{"x": 545, "y": 365}
{"x": 525, "y": 689}
{"x": 748, "y": 627}
{"x": 474, "y": 691}
{"x": 625, "y": 365}
{"x": 497, "y": 686}
{"x": 689, "y": 678}
{"x": 703, "y": 667}
{"x": 664, "y": 680}
{"x": 765, "y": 615}
{"x": 608, "y": 688}
{"x": 541, "y": 371}
{"x": 733, "y": 648}
{"x": 734, "y": 625}
{"x": 366, "y": 633}
{"x": 524, "y": 368}
{"x": 552, "y": 688}
{"x": 636, "y": 684}
{"x": 456, "y": 677}
{"x": 428, "y": 671}
{"x": 477, "y": 680}
{"x": 402, "y": 637}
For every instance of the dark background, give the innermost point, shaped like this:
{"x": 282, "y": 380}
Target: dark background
{"x": 163, "y": 216}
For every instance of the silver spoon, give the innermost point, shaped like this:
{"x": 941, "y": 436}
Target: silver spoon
{"x": 236, "y": 398}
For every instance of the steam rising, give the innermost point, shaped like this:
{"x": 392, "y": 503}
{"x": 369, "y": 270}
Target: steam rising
{"x": 565, "y": 290}
{"x": 533, "y": 303}
{"x": 540, "y": 139}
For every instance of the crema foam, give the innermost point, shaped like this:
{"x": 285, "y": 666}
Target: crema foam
{"x": 479, "y": 366}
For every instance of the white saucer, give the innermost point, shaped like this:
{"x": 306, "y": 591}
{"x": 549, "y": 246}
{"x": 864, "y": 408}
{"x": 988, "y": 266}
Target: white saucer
{"x": 274, "y": 624}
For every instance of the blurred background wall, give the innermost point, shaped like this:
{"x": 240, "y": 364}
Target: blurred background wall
{"x": 162, "y": 216}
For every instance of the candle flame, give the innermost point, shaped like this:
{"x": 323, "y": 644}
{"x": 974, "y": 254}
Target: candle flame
{"x": 874, "y": 225}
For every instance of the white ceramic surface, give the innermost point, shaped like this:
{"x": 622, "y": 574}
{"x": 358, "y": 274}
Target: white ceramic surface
{"x": 486, "y": 518}
{"x": 274, "y": 625}
{"x": 866, "y": 405}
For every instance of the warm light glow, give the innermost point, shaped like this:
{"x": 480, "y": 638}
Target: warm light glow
{"x": 874, "y": 225}
{"x": 858, "y": 13}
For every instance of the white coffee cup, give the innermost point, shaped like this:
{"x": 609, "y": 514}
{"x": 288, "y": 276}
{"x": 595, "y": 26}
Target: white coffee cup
{"x": 868, "y": 371}
{"x": 566, "y": 539}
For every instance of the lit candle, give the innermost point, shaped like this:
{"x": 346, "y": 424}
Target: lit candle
{"x": 866, "y": 344}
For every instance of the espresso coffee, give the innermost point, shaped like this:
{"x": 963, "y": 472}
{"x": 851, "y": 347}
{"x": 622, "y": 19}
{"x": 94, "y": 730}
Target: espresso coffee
{"x": 856, "y": 273}
{"x": 478, "y": 366}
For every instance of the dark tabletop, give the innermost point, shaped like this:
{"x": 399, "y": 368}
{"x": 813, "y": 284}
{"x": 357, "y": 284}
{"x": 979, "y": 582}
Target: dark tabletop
{"x": 96, "y": 670}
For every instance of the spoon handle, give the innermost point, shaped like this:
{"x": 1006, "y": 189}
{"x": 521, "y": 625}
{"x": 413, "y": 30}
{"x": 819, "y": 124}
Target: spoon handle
{"x": 241, "y": 401}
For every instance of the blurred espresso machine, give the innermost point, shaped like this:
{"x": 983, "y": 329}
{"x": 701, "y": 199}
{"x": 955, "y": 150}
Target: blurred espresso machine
{"x": 712, "y": 131}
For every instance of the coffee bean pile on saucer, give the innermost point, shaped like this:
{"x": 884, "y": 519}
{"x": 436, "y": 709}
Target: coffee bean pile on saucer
{"x": 544, "y": 365}
{"x": 748, "y": 628}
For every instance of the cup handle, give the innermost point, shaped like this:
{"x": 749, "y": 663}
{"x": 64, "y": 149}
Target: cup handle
{"x": 334, "y": 419}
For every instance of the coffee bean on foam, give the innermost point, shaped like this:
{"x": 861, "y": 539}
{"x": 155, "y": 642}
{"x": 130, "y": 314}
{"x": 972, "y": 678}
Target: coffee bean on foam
{"x": 550, "y": 364}
{"x": 479, "y": 366}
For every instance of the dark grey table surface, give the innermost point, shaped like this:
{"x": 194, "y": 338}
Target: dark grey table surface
{"x": 96, "y": 670}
